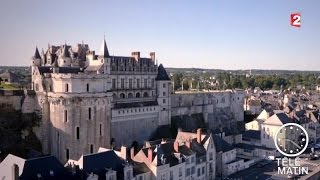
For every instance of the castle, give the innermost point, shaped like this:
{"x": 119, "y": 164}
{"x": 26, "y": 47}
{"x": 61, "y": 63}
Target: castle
{"x": 90, "y": 100}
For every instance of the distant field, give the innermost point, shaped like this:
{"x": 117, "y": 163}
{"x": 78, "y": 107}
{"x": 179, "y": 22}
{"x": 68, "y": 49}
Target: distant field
{"x": 7, "y": 86}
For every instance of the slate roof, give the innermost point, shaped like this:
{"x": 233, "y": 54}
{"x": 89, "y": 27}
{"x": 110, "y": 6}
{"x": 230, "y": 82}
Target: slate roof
{"x": 36, "y": 54}
{"x": 162, "y": 74}
{"x": 279, "y": 118}
{"x": 252, "y": 147}
{"x": 140, "y": 168}
{"x": 105, "y": 49}
{"x": 42, "y": 166}
{"x": 98, "y": 163}
{"x": 66, "y": 70}
{"x": 65, "y": 52}
{"x": 221, "y": 145}
{"x": 251, "y": 134}
{"x": 135, "y": 104}
{"x": 164, "y": 154}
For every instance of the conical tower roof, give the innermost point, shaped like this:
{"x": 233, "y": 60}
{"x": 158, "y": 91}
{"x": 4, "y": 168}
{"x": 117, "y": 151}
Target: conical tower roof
{"x": 104, "y": 49}
{"x": 36, "y": 54}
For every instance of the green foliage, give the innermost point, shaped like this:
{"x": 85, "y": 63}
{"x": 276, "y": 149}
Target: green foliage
{"x": 7, "y": 86}
{"x": 12, "y": 123}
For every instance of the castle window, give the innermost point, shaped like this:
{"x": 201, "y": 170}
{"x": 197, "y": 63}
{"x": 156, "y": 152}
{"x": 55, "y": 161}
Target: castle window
{"x": 113, "y": 83}
{"x": 152, "y": 83}
{"x": 89, "y": 113}
{"x": 100, "y": 130}
{"x": 145, "y": 83}
{"x": 138, "y": 83}
{"x": 91, "y": 148}
{"x": 122, "y": 83}
{"x": 67, "y": 153}
{"x": 130, "y": 83}
{"x": 78, "y": 133}
{"x": 87, "y": 87}
{"x": 58, "y": 137}
{"x": 164, "y": 85}
{"x": 122, "y": 95}
{"x": 164, "y": 93}
{"x": 164, "y": 101}
{"x": 65, "y": 114}
{"x": 145, "y": 94}
{"x": 67, "y": 88}
{"x": 137, "y": 95}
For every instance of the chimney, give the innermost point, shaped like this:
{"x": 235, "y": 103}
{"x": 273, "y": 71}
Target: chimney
{"x": 15, "y": 172}
{"x": 153, "y": 56}
{"x": 136, "y": 55}
{"x": 188, "y": 144}
{"x": 199, "y": 135}
{"x": 176, "y": 146}
{"x": 150, "y": 153}
{"x": 123, "y": 152}
{"x": 132, "y": 152}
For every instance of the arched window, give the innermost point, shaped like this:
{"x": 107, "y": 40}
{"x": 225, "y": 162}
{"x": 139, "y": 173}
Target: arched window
{"x": 114, "y": 95}
{"x": 137, "y": 95}
{"x": 122, "y": 96}
{"x": 130, "y": 95}
{"x": 145, "y": 94}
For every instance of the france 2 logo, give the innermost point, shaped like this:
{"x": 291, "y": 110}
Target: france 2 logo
{"x": 295, "y": 19}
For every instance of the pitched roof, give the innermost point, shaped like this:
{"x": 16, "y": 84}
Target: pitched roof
{"x": 221, "y": 144}
{"x": 65, "y": 51}
{"x": 278, "y": 119}
{"x": 99, "y": 162}
{"x": 66, "y": 70}
{"x": 162, "y": 74}
{"x": 44, "y": 166}
{"x": 135, "y": 104}
{"x": 251, "y": 134}
{"x": 162, "y": 154}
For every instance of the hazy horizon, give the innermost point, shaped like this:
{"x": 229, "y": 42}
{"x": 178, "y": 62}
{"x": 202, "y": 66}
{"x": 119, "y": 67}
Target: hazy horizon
{"x": 208, "y": 34}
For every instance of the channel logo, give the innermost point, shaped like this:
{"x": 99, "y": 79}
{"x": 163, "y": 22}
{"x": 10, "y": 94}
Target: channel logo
{"x": 295, "y": 19}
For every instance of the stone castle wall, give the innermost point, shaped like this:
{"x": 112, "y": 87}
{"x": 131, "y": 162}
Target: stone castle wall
{"x": 219, "y": 108}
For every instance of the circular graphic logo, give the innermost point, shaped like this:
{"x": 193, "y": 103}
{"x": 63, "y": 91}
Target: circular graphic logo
{"x": 291, "y": 139}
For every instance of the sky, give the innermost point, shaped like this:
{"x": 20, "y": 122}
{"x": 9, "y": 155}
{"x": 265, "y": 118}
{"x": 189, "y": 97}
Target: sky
{"x": 219, "y": 34}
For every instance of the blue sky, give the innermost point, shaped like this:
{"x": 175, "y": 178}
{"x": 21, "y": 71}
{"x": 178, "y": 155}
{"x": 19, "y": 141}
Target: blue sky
{"x": 221, "y": 34}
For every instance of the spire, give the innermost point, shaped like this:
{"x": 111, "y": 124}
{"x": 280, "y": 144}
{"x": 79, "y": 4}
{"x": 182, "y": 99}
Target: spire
{"x": 36, "y": 54}
{"x": 104, "y": 49}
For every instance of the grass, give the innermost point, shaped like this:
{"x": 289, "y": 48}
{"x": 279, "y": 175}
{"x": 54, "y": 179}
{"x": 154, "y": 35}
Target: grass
{"x": 7, "y": 86}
